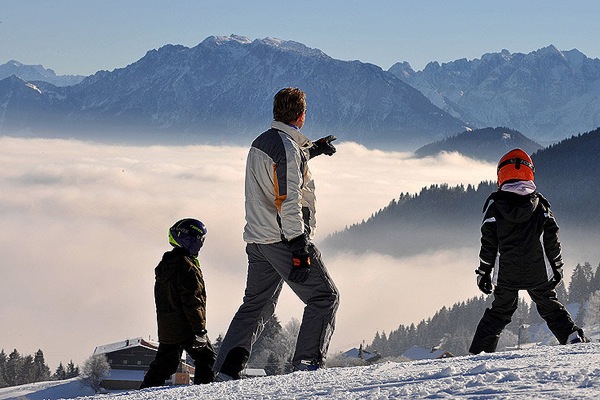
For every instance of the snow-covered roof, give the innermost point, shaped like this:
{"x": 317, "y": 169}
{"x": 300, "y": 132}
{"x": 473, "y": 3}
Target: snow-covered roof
{"x": 112, "y": 347}
{"x": 419, "y": 353}
{"x": 356, "y": 353}
{"x": 254, "y": 372}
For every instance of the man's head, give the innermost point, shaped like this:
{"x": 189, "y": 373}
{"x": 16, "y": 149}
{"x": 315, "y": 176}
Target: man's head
{"x": 289, "y": 105}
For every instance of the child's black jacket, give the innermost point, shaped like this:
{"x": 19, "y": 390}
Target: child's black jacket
{"x": 180, "y": 297}
{"x": 521, "y": 231}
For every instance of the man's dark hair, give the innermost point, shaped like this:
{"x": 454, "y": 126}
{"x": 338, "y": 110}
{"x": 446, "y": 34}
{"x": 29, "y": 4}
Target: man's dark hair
{"x": 288, "y": 105}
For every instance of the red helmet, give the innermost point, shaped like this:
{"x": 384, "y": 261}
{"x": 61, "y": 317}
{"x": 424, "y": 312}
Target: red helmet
{"x": 515, "y": 165}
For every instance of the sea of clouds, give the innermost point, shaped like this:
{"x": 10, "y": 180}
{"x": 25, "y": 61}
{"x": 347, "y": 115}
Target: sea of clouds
{"x": 84, "y": 224}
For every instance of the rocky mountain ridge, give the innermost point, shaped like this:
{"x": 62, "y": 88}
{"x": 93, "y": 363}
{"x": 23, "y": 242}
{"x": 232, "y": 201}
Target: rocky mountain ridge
{"x": 547, "y": 94}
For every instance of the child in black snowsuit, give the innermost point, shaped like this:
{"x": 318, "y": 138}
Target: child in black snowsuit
{"x": 180, "y": 299}
{"x": 519, "y": 235}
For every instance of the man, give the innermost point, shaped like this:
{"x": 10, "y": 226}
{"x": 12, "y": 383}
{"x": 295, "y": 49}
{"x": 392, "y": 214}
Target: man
{"x": 280, "y": 223}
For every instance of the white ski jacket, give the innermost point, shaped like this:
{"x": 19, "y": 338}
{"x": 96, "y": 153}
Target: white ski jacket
{"x": 280, "y": 192}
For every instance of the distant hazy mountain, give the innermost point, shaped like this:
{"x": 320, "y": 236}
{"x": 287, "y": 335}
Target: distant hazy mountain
{"x": 547, "y": 94}
{"x": 223, "y": 88}
{"x": 449, "y": 217}
{"x": 488, "y": 144}
{"x": 34, "y": 73}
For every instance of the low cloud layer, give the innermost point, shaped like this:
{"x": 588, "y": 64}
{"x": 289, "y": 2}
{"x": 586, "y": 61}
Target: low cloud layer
{"x": 84, "y": 225}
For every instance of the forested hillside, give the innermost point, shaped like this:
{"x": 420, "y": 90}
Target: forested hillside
{"x": 569, "y": 174}
{"x": 485, "y": 144}
{"x": 441, "y": 216}
{"x": 452, "y": 328}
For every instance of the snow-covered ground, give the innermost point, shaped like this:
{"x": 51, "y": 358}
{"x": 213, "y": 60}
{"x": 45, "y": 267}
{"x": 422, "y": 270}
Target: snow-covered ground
{"x": 544, "y": 372}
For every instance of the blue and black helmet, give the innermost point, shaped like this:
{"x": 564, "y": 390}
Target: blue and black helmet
{"x": 188, "y": 234}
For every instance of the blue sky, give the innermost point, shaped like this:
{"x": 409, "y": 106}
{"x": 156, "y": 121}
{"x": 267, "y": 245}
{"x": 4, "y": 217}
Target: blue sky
{"x": 83, "y": 36}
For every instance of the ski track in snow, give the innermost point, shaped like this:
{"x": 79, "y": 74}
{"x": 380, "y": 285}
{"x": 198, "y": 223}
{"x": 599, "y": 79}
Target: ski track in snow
{"x": 544, "y": 372}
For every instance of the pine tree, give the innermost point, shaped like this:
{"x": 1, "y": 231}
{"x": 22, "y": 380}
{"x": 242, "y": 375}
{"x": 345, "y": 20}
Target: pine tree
{"x": 289, "y": 338}
{"x": 2, "y": 369}
{"x": 26, "y": 371}
{"x": 275, "y": 347}
{"x": 561, "y": 292}
{"x": 41, "y": 372}
{"x": 217, "y": 343}
{"x": 72, "y": 370}
{"x": 273, "y": 366}
{"x": 12, "y": 369}
{"x": 592, "y": 315}
{"x": 579, "y": 287}
{"x": 60, "y": 373}
{"x": 595, "y": 282}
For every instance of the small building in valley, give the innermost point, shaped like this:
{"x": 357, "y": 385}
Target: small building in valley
{"x": 129, "y": 360}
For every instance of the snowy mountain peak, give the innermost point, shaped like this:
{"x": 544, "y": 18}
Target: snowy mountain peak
{"x": 14, "y": 63}
{"x": 547, "y": 94}
{"x": 36, "y": 73}
{"x": 402, "y": 69}
{"x": 219, "y": 40}
{"x": 505, "y": 54}
{"x": 291, "y": 45}
{"x": 550, "y": 49}
{"x": 272, "y": 42}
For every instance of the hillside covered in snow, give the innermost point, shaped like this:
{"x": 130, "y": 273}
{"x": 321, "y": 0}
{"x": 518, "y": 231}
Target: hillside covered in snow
{"x": 543, "y": 372}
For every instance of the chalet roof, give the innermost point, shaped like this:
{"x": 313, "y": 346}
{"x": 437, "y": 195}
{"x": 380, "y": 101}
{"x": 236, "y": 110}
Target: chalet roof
{"x": 128, "y": 343}
{"x": 419, "y": 353}
{"x": 356, "y": 353}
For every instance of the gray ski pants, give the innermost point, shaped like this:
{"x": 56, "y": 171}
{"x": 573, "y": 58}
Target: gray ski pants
{"x": 268, "y": 267}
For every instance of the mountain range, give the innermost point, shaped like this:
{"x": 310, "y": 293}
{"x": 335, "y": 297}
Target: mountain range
{"x": 222, "y": 90}
{"x": 547, "y": 94}
{"x": 37, "y": 73}
{"x": 442, "y": 217}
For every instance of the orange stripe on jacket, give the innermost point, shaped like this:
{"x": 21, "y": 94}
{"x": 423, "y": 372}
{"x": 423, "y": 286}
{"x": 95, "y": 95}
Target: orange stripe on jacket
{"x": 279, "y": 198}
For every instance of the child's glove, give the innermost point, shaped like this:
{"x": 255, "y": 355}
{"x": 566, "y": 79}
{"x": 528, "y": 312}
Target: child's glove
{"x": 200, "y": 341}
{"x": 323, "y": 146}
{"x": 484, "y": 281}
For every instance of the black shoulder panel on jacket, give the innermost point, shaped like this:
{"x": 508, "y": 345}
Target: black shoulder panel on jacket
{"x": 271, "y": 144}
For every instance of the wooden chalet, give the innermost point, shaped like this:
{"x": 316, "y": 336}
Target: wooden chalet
{"x": 129, "y": 360}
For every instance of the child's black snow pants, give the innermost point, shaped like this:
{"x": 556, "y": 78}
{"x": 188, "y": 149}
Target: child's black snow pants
{"x": 167, "y": 361}
{"x": 505, "y": 304}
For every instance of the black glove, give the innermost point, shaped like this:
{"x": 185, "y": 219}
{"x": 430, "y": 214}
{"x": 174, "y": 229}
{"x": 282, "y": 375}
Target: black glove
{"x": 300, "y": 259}
{"x": 484, "y": 281}
{"x": 558, "y": 275}
{"x": 200, "y": 341}
{"x": 323, "y": 146}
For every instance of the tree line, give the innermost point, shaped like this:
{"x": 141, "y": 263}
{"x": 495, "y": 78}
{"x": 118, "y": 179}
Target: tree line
{"x": 452, "y": 328}
{"x": 16, "y": 369}
{"x": 441, "y": 216}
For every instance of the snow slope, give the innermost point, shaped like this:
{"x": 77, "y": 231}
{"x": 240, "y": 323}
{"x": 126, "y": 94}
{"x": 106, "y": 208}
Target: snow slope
{"x": 545, "y": 372}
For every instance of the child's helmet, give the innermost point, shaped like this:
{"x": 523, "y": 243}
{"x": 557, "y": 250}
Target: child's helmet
{"x": 188, "y": 234}
{"x": 516, "y": 165}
